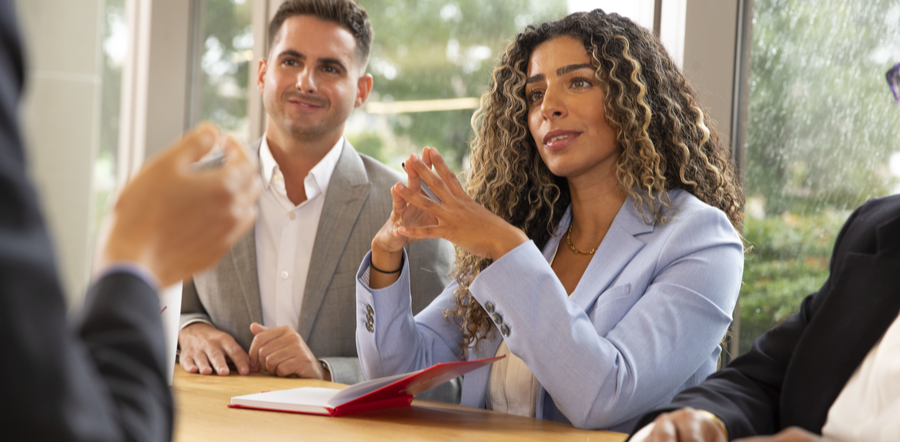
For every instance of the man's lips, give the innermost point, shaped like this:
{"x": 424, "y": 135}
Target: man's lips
{"x": 306, "y": 103}
{"x": 559, "y": 139}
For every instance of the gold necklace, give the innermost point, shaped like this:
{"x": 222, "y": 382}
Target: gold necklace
{"x": 572, "y": 247}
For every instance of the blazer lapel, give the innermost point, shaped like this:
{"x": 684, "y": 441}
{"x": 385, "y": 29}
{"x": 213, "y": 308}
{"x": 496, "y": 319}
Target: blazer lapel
{"x": 866, "y": 298}
{"x": 347, "y": 192}
{"x": 243, "y": 256}
{"x": 615, "y": 252}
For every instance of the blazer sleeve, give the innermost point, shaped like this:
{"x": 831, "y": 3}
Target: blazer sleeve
{"x": 394, "y": 341}
{"x": 192, "y": 309}
{"x": 746, "y": 394}
{"x": 601, "y": 379}
{"x": 426, "y": 272}
{"x": 102, "y": 380}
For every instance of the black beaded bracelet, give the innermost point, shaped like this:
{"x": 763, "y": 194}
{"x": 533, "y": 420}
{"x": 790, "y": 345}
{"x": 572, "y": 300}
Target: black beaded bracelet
{"x": 386, "y": 273}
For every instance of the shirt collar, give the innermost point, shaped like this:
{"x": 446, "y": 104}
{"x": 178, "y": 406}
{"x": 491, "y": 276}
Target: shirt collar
{"x": 317, "y": 180}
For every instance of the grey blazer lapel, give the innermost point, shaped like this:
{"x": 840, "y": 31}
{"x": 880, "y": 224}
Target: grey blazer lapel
{"x": 344, "y": 199}
{"x": 243, "y": 255}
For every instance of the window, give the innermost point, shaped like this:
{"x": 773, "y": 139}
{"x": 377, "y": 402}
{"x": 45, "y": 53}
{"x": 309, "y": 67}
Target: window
{"x": 432, "y": 62}
{"x": 822, "y": 138}
{"x": 115, "y": 45}
{"x": 222, "y": 49}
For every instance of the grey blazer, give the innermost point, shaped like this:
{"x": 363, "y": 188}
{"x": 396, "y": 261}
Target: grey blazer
{"x": 357, "y": 204}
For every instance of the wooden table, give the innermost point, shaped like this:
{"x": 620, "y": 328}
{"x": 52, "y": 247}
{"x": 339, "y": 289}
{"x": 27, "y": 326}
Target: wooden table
{"x": 202, "y": 415}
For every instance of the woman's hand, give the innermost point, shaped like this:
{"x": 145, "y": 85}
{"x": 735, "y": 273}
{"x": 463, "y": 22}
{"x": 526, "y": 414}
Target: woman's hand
{"x": 457, "y": 219}
{"x": 387, "y": 246}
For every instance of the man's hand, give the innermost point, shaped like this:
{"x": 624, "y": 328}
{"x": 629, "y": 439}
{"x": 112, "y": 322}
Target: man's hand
{"x": 281, "y": 351}
{"x": 686, "y": 425}
{"x": 204, "y": 348}
{"x": 175, "y": 220}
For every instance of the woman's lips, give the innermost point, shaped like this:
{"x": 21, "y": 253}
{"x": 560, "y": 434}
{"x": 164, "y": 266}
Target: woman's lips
{"x": 559, "y": 139}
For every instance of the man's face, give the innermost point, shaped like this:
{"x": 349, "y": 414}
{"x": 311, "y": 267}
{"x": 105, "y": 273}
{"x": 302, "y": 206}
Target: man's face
{"x": 312, "y": 80}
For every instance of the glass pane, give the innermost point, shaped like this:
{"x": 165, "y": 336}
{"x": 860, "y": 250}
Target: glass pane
{"x": 823, "y": 137}
{"x": 115, "y": 45}
{"x": 430, "y": 56}
{"x": 224, "y": 48}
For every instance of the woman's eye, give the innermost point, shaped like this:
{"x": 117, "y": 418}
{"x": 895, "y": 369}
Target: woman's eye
{"x": 581, "y": 83}
{"x": 535, "y": 96}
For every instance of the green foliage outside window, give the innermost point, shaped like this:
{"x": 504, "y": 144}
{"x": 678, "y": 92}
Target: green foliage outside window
{"x": 822, "y": 133}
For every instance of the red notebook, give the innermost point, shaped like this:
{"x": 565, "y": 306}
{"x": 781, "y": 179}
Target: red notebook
{"x": 375, "y": 394}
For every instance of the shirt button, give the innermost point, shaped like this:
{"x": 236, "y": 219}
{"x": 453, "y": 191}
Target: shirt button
{"x": 277, "y": 177}
{"x": 504, "y": 329}
{"x": 489, "y": 306}
{"x": 285, "y": 274}
{"x": 292, "y": 216}
{"x": 498, "y": 319}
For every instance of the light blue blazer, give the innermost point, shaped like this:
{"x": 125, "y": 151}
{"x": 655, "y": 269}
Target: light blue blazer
{"x": 644, "y": 322}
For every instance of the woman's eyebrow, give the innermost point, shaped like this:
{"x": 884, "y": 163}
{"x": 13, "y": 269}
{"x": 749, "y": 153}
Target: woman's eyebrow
{"x": 572, "y": 67}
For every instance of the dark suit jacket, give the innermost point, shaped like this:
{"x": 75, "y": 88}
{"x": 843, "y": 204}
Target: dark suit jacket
{"x": 795, "y": 371}
{"x": 101, "y": 378}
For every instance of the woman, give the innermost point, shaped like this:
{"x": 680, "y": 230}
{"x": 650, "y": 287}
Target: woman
{"x": 597, "y": 242}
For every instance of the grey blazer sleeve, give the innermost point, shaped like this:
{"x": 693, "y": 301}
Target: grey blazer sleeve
{"x": 191, "y": 308}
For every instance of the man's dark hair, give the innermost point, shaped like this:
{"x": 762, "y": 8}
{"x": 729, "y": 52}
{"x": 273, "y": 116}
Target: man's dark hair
{"x": 346, "y": 13}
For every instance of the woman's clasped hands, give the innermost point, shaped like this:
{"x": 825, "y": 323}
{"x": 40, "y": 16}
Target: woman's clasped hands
{"x": 457, "y": 218}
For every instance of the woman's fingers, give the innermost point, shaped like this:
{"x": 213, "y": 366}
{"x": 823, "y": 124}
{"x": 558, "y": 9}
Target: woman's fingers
{"x": 450, "y": 180}
{"x": 417, "y": 199}
{"x": 423, "y": 232}
{"x": 425, "y": 174}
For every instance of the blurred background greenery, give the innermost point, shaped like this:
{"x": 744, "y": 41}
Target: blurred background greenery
{"x": 823, "y": 137}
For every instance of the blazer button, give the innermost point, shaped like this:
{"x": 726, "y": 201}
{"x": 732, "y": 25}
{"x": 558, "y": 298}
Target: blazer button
{"x": 504, "y": 329}
{"x": 489, "y": 307}
{"x": 369, "y": 309}
{"x": 370, "y": 320}
{"x": 498, "y": 319}
{"x": 370, "y": 327}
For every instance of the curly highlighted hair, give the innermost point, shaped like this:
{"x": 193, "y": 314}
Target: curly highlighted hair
{"x": 667, "y": 142}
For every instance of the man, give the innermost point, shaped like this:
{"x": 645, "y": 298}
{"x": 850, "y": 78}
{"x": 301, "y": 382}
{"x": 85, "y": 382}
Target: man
{"x": 104, "y": 376}
{"x": 283, "y": 300}
{"x": 833, "y": 369}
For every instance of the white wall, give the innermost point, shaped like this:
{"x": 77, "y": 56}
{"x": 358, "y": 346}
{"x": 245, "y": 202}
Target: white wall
{"x": 60, "y": 121}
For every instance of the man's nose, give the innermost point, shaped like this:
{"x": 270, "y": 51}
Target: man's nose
{"x": 306, "y": 81}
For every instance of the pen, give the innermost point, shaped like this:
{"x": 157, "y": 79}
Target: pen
{"x": 425, "y": 188}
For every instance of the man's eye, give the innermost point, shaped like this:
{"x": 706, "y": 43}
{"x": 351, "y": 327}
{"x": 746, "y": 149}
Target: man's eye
{"x": 330, "y": 70}
{"x": 289, "y": 62}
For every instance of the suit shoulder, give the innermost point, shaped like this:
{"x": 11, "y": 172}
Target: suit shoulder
{"x": 381, "y": 176}
{"x": 688, "y": 211}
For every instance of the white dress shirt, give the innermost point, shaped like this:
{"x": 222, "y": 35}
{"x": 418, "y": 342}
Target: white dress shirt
{"x": 868, "y": 407}
{"x": 285, "y": 235}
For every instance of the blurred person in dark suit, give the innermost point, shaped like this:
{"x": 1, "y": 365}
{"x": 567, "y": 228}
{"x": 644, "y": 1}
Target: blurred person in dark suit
{"x": 102, "y": 376}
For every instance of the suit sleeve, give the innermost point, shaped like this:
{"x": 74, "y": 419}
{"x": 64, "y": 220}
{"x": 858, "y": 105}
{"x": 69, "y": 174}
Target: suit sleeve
{"x": 102, "y": 380}
{"x": 746, "y": 394}
{"x": 427, "y": 267}
{"x": 191, "y": 308}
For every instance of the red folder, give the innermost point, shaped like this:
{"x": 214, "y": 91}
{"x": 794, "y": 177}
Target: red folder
{"x": 375, "y": 394}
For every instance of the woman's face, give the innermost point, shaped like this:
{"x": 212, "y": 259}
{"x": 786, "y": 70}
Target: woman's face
{"x": 565, "y": 111}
